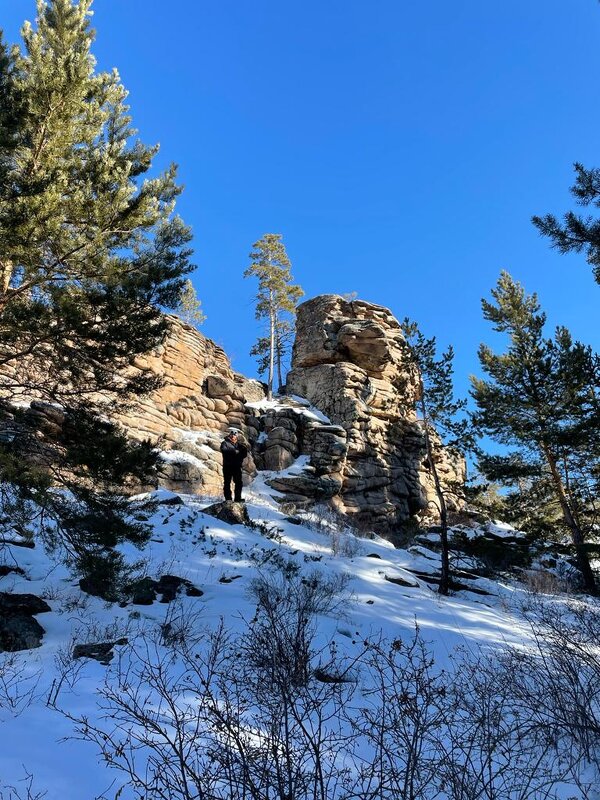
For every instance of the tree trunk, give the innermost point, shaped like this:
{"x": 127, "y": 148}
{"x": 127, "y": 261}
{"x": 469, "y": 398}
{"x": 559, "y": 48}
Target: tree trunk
{"x": 279, "y": 348}
{"x": 271, "y": 345}
{"x": 444, "y": 586}
{"x": 581, "y": 554}
{"x": 6, "y": 270}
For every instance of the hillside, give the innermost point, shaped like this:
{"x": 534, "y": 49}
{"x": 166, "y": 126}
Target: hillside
{"x": 368, "y": 592}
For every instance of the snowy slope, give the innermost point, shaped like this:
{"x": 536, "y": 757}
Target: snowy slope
{"x": 221, "y": 560}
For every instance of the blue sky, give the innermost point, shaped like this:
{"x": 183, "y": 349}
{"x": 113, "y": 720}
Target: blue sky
{"x": 400, "y": 147}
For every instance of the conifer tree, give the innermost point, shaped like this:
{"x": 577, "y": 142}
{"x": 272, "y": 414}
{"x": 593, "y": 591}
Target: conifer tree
{"x": 90, "y": 252}
{"x": 577, "y": 233}
{"x": 541, "y": 404}
{"x": 439, "y": 415}
{"x": 190, "y": 307}
{"x": 276, "y": 302}
{"x": 88, "y": 255}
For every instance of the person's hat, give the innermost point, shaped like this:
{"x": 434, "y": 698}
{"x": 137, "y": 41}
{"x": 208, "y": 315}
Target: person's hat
{"x": 233, "y": 430}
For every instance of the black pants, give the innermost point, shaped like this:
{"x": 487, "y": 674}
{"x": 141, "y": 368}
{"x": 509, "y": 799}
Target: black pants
{"x": 235, "y": 474}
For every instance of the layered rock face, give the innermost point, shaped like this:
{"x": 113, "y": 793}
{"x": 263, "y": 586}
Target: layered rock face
{"x": 346, "y": 432}
{"x": 200, "y": 397}
{"x": 348, "y": 360}
{"x": 288, "y": 430}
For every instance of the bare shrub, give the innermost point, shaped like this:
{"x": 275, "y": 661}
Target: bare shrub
{"x": 280, "y": 637}
{"x": 559, "y": 682}
{"x": 491, "y": 750}
{"x": 182, "y": 628}
{"x": 18, "y": 686}
{"x": 207, "y": 724}
{"x": 404, "y": 716}
{"x": 265, "y": 715}
{"x": 345, "y": 544}
{"x": 68, "y": 671}
{"x": 543, "y": 581}
{"x": 344, "y": 532}
{"x": 24, "y": 791}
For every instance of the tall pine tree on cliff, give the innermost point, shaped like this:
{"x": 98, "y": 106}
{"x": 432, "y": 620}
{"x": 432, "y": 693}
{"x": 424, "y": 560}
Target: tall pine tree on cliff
{"x": 540, "y": 402}
{"x": 90, "y": 251}
{"x": 276, "y": 301}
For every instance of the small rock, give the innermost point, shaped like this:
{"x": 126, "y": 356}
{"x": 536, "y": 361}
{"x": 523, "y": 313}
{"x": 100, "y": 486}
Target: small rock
{"x": 100, "y": 651}
{"x": 142, "y": 591}
{"x": 172, "y": 500}
{"x": 25, "y": 604}
{"x": 6, "y": 570}
{"x": 401, "y": 581}
{"x": 229, "y": 512}
{"x": 170, "y": 585}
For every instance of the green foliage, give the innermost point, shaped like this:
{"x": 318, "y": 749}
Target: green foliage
{"x": 440, "y": 414}
{"x": 577, "y": 233}
{"x": 284, "y": 338}
{"x": 541, "y": 404}
{"x": 190, "y": 308}
{"x": 276, "y": 302}
{"x": 439, "y": 408}
{"x": 90, "y": 254}
{"x": 71, "y": 492}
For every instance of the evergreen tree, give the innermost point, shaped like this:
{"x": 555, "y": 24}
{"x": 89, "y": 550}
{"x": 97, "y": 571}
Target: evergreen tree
{"x": 577, "y": 233}
{"x": 276, "y": 302}
{"x": 89, "y": 255}
{"x": 190, "y": 308}
{"x": 439, "y": 415}
{"x": 541, "y": 404}
{"x": 284, "y": 338}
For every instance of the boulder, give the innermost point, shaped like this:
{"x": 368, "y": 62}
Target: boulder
{"x": 20, "y": 632}
{"x": 181, "y": 472}
{"x": 349, "y": 360}
{"x": 18, "y": 629}
{"x": 144, "y": 591}
{"x": 229, "y": 512}
{"x": 307, "y": 485}
{"x": 99, "y": 651}
{"x": 277, "y": 457}
{"x": 26, "y": 604}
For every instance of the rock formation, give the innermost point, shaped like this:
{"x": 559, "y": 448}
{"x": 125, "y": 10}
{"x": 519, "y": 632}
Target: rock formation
{"x": 346, "y": 432}
{"x": 349, "y": 362}
{"x": 200, "y": 397}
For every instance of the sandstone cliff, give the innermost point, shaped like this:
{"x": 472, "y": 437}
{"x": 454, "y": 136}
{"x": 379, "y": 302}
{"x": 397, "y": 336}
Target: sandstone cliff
{"x": 349, "y": 362}
{"x": 200, "y": 397}
{"x": 345, "y": 433}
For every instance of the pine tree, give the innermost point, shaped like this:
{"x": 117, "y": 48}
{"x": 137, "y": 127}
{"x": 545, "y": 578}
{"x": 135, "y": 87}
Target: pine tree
{"x": 190, "y": 308}
{"x": 577, "y": 233}
{"x": 87, "y": 254}
{"x": 90, "y": 252}
{"x": 439, "y": 415}
{"x": 276, "y": 302}
{"x": 541, "y": 404}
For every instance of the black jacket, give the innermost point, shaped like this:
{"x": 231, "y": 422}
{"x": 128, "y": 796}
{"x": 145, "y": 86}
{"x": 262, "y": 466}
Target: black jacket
{"x": 233, "y": 454}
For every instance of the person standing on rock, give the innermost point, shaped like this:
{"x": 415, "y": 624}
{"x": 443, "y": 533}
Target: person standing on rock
{"x": 234, "y": 453}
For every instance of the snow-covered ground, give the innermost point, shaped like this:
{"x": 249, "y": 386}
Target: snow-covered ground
{"x": 221, "y": 560}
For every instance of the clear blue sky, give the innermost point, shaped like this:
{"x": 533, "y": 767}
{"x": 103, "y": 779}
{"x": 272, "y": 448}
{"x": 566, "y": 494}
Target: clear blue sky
{"x": 400, "y": 147}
